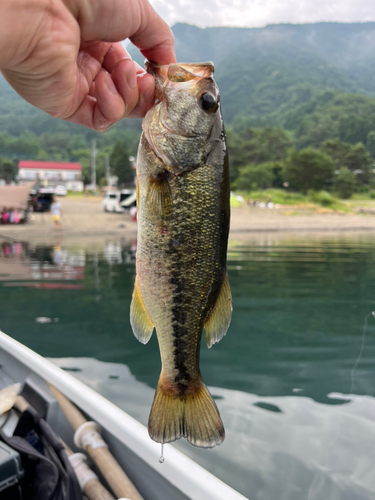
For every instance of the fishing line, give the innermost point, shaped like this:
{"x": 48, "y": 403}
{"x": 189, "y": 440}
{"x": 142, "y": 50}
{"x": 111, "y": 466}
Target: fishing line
{"x": 317, "y": 482}
{"x": 352, "y": 373}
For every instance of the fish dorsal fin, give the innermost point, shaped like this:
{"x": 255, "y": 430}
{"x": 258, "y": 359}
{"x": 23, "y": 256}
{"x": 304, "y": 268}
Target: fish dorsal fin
{"x": 217, "y": 324}
{"x": 139, "y": 319}
{"x": 159, "y": 196}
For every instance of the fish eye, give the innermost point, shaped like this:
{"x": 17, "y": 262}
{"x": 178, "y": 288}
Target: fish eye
{"x": 208, "y": 102}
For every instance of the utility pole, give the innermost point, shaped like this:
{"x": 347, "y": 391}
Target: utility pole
{"x": 107, "y": 170}
{"x": 94, "y": 152}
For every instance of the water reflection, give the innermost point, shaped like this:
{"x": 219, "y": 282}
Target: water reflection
{"x": 295, "y": 374}
{"x": 41, "y": 264}
{"x": 276, "y": 447}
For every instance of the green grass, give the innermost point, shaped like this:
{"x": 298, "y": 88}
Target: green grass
{"x": 279, "y": 196}
{"x": 83, "y": 194}
{"x": 312, "y": 199}
{"x": 322, "y": 198}
{"x": 362, "y": 196}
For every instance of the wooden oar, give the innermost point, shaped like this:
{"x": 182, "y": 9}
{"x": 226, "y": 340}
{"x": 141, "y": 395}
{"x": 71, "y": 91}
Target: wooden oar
{"x": 119, "y": 482}
{"x": 92, "y": 487}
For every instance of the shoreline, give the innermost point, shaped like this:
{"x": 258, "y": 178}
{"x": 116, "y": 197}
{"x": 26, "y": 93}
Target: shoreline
{"x": 86, "y": 218}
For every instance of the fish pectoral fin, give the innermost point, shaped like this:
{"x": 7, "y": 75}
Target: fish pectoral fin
{"x": 159, "y": 196}
{"x": 139, "y": 319}
{"x": 217, "y": 324}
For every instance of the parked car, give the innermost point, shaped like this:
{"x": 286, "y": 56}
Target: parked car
{"x": 112, "y": 200}
{"x": 60, "y": 190}
{"x": 130, "y": 201}
{"x": 41, "y": 200}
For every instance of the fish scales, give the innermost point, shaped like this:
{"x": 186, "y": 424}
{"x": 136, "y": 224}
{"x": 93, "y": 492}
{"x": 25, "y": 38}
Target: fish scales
{"x": 188, "y": 262}
{"x": 183, "y": 224}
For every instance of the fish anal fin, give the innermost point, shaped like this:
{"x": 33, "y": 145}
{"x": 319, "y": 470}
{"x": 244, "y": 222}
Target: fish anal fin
{"x": 139, "y": 319}
{"x": 218, "y": 322}
{"x": 193, "y": 415}
{"x": 159, "y": 196}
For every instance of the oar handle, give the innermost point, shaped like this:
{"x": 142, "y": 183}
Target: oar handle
{"x": 119, "y": 482}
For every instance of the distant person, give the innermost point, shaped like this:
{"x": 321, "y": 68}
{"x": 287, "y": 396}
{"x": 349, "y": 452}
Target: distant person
{"x": 269, "y": 203}
{"x": 16, "y": 216}
{"x": 66, "y": 57}
{"x": 11, "y": 216}
{"x": 133, "y": 214}
{"x": 56, "y": 211}
{"x": 5, "y": 216}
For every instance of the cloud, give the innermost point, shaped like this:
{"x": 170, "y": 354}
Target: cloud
{"x": 252, "y": 13}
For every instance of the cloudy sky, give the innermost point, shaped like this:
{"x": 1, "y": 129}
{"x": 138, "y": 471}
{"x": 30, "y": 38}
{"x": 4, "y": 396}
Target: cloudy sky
{"x": 254, "y": 13}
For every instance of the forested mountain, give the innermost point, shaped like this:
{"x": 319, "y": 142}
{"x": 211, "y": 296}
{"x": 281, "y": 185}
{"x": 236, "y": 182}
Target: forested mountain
{"x": 260, "y": 69}
{"x": 315, "y": 80}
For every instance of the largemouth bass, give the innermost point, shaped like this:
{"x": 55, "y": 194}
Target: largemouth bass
{"x": 182, "y": 285}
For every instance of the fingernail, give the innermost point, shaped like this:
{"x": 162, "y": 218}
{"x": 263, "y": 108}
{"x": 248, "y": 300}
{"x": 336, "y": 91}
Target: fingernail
{"x": 111, "y": 86}
{"x": 131, "y": 77}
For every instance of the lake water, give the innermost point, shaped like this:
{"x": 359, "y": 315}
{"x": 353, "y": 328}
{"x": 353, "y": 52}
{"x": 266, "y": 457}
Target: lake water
{"x": 294, "y": 378}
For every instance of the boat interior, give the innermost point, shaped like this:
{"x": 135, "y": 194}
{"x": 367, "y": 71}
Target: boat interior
{"x": 35, "y": 390}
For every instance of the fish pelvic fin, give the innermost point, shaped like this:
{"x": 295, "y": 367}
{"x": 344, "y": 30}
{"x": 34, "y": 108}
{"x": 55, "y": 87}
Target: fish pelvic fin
{"x": 193, "y": 416}
{"x": 218, "y": 322}
{"x": 139, "y": 319}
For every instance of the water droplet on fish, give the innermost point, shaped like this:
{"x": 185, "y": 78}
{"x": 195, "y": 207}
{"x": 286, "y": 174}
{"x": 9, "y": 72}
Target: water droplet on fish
{"x": 161, "y": 458}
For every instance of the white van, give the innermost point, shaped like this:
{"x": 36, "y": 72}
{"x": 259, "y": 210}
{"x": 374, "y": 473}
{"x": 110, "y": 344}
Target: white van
{"x": 112, "y": 200}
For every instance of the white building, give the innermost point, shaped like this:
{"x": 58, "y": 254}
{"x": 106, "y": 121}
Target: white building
{"x": 51, "y": 174}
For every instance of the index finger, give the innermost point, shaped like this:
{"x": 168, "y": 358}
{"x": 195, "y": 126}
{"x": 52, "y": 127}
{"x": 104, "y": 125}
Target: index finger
{"x": 154, "y": 38}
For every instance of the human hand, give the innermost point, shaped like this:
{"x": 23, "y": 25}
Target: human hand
{"x": 64, "y": 56}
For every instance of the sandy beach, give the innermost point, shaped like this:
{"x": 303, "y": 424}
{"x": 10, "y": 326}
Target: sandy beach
{"x": 85, "y": 217}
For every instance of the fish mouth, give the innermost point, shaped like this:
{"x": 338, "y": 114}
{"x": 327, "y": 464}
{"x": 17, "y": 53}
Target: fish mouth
{"x": 181, "y": 76}
{"x": 184, "y": 74}
{"x": 159, "y": 125}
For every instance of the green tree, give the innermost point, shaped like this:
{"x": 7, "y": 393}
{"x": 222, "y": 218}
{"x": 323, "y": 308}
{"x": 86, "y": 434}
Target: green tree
{"x": 336, "y": 150}
{"x": 331, "y": 115}
{"x": 252, "y": 177}
{"x": 359, "y": 160}
{"x": 27, "y": 145}
{"x": 307, "y": 169}
{"x": 255, "y": 146}
{"x": 370, "y": 143}
{"x": 8, "y": 170}
{"x": 314, "y": 129}
{"x": 120, "y": 164}
{"x": 236, "y": 152}
{"x": 356, "y": 158}
{"x": 344, "y": 183}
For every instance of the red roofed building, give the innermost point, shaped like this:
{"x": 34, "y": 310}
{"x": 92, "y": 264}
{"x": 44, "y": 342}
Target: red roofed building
{"x": 51, "y": 173}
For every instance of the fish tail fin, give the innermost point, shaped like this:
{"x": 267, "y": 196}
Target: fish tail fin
{"x": 193, "y": 415}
